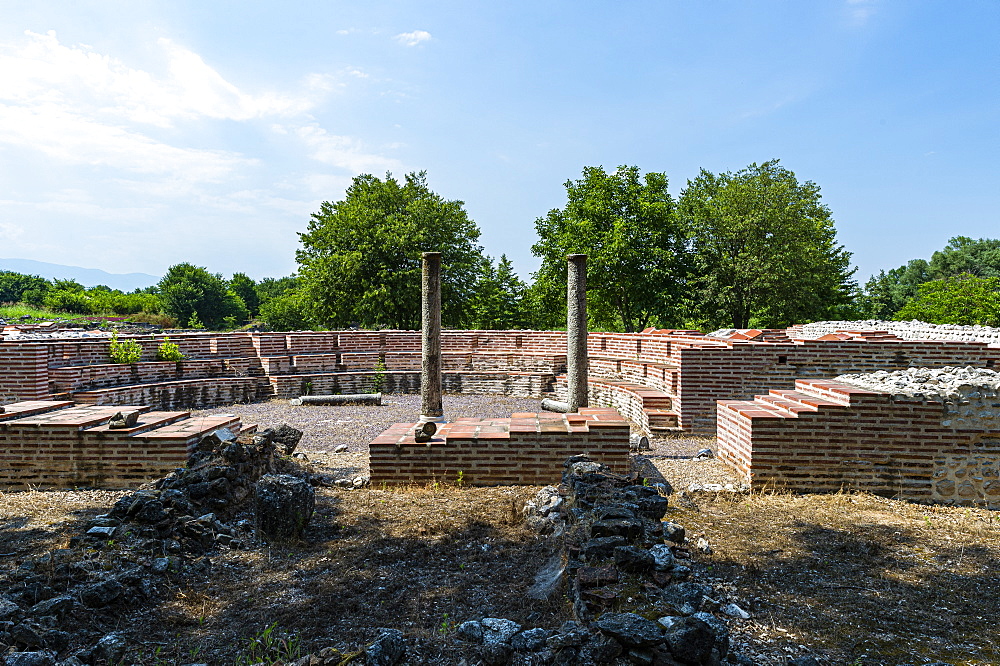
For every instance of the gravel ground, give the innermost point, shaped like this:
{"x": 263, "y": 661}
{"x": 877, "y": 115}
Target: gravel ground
{"x": 327, "y": 427}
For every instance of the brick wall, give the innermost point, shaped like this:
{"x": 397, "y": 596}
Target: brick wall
{"x": 527, "y": 449}
{"x": 695, "y": 371}
{"x": 56, "y": 445}
{"x": 24, "y": 372}
{"x": 824, "y": 436}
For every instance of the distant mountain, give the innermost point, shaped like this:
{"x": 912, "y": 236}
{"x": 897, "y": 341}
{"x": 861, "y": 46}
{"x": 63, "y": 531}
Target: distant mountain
{"x": 88, "y": 277}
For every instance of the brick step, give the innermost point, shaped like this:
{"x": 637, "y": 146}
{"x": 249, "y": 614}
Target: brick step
{"x": 19, "y": 410}
{"x": 146, "y": 422}
{"x": 752, "y": 409}
{"x": 193, "y": 429}
{"x": 789, "y": 408}
{"x": 72, "y": 419}
{"x": 651, "y": 398}
{"x": 661, "y": 419}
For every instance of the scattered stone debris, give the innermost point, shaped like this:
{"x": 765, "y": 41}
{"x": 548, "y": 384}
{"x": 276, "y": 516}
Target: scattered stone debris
{"x": 149, "y": 536}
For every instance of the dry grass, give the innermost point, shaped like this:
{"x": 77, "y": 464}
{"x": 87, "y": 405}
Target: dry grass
{"x": 857, "y": 577}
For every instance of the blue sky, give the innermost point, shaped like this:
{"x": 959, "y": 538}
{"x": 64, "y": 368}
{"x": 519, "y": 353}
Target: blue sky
{"x": 136, "y": 135}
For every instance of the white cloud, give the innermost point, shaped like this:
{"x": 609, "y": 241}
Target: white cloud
{"x": 10, "y": 231}
{"x": 343, "y": 151}
{"x": 413, "y": 38}
{"x": 75, "y": 139}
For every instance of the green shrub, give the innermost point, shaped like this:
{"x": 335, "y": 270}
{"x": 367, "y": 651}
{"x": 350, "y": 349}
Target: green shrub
{"x": 124, "y": 351}
{"x": 168, "y": 351}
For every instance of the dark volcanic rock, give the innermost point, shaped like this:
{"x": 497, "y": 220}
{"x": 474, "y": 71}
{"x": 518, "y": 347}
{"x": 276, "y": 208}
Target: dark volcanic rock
{"x": 690, "y": 640}
{"x": 283, "y": 506}
{"x": 632, "y": 630}
{"x": 388, "y": 648}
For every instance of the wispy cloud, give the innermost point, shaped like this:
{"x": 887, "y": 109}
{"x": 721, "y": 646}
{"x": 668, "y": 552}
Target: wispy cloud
{"x": 343, "y": 151}
{"x": 413, "y": 38}
{"x": 10, "y": 231}
{"x": 859, "y": 11}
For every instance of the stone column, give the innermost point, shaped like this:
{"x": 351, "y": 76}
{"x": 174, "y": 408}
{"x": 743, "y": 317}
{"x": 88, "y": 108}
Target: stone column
{"x": 430, "y": 339}
{"x": 576, "y": 330}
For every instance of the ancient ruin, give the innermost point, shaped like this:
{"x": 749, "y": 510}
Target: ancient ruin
{"x": 659, "y": 380}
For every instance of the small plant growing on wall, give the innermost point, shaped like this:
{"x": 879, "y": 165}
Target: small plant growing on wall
{"x": 378, "y": 379}
{"x": 169, "y": 351}
{"x": 124, "y": 351}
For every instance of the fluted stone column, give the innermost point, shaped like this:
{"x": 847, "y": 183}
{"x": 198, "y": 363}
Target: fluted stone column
{"x": 576, "y": 330}
{"x": 430, "y": 339}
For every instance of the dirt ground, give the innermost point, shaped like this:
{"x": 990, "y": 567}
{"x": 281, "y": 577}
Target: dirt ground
{"x": 847, "y": 578}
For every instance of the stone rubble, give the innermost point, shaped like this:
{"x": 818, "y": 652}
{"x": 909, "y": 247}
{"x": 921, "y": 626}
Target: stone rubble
{"x": 949, "y": 383}
{"x": 154, "y": 535}
{"x": 905, "y": 330}
{"x": 970, "y": 396}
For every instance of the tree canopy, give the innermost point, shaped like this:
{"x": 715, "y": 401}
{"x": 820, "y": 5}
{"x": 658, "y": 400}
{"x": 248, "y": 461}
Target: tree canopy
{"x": 886, "y": 293}
{"x": 765, "y": 249}
{"x": 360, "y": 258}
{"x": 194, "y": 296}
{"x": 961, "y": 299}
{"x": 636, "y": 265}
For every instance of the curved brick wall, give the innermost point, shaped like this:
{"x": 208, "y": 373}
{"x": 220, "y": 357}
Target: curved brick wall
{"x": 656, "y": 378}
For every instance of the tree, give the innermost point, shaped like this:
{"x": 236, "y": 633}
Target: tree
{"x": 962, "y": 299}
{"x": 191, "y": 294}
{"x": 499, "y": 299}
{"x": 887, "y": 292}
{"x": 765, "y": 249}
{"x": 360, "y": 258}
{"x": 284, "y": 312}
{"x": 635, "y": 247}
{"x": 17, "y": 288}
{"x": 963, "y": 255}
{"x": 246, "y": 289}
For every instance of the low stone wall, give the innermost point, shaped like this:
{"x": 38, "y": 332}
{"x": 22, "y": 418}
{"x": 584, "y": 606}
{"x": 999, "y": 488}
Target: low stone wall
{"x": 827, "y": 435}
{"x": 694, "y": 371}
{"x": 526, "y": 449}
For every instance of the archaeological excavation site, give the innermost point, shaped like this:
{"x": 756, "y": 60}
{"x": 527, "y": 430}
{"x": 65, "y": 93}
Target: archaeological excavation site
{"x": 552, "y": 497}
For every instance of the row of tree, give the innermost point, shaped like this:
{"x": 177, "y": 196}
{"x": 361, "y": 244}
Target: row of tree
{"x": 754, "y": 248}
{"x": 187, "y": 296}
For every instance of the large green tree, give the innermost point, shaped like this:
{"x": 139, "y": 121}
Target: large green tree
{"x": 360, "y": 257}
{"x": 888, "y": 291}
{"x": 192, "y": 295}
{"x": 765, "y": 249}
{"x": 961, "y": 299}
{"x": 635, "y": 247}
